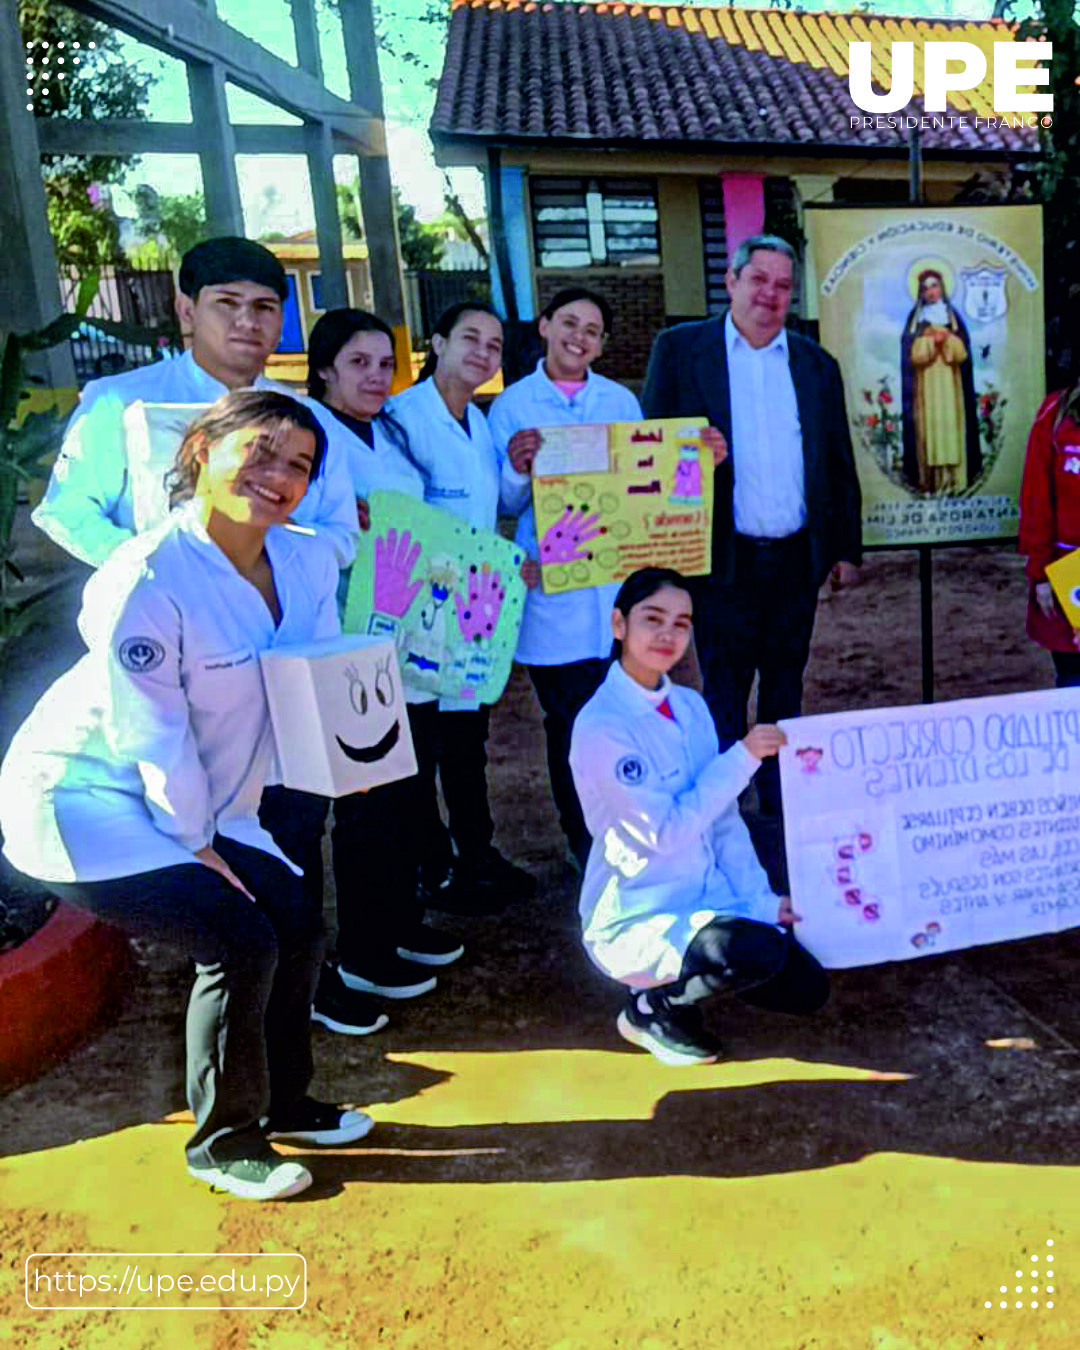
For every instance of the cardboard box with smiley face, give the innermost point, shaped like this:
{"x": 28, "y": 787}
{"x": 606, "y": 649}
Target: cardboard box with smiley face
{"x": 338, "y": 712}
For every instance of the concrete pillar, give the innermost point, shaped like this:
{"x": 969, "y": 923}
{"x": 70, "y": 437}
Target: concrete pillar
{"x": 320, "y": 161}
{"x": 29, "y": 281}
{"x": 811, "y": 187}
{"x": 380, "y": 218}
{"x": 744, "y": 207}
{"x": 217, "y": 148}
{"x": 306, "y": 32}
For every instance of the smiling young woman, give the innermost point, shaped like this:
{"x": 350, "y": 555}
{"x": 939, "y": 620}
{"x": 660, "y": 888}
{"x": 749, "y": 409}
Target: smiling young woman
{"x": 133, "y": 788}
{"x": 674, "y": 904}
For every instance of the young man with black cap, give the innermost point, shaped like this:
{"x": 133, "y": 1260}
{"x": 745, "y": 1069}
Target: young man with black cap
{"x": 230, "y": 299}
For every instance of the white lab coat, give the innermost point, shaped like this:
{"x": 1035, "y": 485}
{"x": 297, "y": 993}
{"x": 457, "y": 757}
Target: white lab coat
{"x": 89, "y": 504}
{"x": 670, "y": 850}
{"x": 380, "y": 467}
{"x": 160, "y": 736}
{"x": 556, "y": 629}
{"x": 463, "y": 472}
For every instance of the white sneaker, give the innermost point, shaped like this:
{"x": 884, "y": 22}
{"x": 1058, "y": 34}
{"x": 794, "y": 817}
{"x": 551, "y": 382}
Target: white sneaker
{"x": 271, "y": 1178}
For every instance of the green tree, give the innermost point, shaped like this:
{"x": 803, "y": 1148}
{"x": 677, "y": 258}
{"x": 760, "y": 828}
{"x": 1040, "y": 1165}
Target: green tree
{"x": 97, "y": 83}
{"x": 421, "y": 247}
{"x": 170, "y": 222}
{"x": 1055, "y": 177}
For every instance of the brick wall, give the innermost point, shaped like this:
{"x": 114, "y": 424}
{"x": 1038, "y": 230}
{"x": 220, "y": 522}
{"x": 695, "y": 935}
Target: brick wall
{"x": 637, "y": 299}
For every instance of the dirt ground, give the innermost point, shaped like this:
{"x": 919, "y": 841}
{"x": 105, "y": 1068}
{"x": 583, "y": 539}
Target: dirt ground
{"x": 866, "y": 1180}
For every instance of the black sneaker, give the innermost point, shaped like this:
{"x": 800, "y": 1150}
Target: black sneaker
{"x": 268, "y": 1178}
{"x": 339, "y": 1008}
{"x": 429, "y": 946}
{"x": 460, "y": 894}
{"x": 389, "y": 976}
{"x": 674, "y": 1036}
{"x": 310, "y": 1122}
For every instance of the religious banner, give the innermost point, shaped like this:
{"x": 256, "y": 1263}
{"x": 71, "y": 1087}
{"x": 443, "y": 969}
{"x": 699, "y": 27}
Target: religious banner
{"x": 449, "y": 595}
{"x": 921, "y": 830}
{"x": 610, "y": 498}
{"x": 338, "y": 712}
{"x": 152, "y": 436}
{"x": 936, "y": 317}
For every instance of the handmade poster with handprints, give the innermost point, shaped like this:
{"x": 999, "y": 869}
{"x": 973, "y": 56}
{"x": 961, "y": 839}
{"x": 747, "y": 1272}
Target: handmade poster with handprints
{"x": 450, "y": 595}
{"x": 608, "y": 499}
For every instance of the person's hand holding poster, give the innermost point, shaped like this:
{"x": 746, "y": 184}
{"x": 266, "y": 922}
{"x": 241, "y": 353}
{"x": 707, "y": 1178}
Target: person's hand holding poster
{"x": 611, "y": 498}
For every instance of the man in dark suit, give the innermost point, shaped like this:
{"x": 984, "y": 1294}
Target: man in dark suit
{"x": 787, "y": 504}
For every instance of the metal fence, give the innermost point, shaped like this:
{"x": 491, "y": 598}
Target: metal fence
{"x": 141, "y": 298}
{"x": 429, "y": 293}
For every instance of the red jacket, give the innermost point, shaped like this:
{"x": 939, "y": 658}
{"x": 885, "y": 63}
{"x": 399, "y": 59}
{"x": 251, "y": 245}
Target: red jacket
{"x": 1050, "y": 513}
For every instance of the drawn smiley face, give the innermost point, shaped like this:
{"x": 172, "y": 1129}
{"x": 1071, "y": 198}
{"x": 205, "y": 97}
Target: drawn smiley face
{"x": 383, "y": 696}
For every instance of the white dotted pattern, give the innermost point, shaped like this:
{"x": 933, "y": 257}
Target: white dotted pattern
{"x": 43, "y": 64}
{"x": 1047, "y": 1274}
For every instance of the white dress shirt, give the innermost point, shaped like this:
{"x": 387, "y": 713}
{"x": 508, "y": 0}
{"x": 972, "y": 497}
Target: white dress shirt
{"x": 89, "y": 504}
{"x": 160, "y": 736}
{"x": 766, "y": 437}
{"x": 670, "y": 850}
{"x": 556, "y": 629}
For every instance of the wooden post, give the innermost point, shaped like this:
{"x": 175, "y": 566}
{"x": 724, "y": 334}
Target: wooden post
{"x": 380, "y": 218}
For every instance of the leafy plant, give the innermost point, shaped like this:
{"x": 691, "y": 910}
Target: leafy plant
{"x": 28, "y": 444}
{"x": 878, "y": 428}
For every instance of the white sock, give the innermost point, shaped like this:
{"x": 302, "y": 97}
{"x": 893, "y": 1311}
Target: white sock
{"x": 643, "y": 1005}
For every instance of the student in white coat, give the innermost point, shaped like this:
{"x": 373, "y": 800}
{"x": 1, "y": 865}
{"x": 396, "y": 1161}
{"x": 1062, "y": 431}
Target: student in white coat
{"x": 383, "y": 946}
{"x": 133, "y": 788}
{"x": 675, "y": 904}
{"x": 230, "y": 295}
{"x": 451, "y": 443}
{"x": 565, "y": 639}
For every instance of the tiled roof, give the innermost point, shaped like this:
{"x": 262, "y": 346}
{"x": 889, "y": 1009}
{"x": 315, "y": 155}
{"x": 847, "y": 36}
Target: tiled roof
{"x": 629, "y": 73}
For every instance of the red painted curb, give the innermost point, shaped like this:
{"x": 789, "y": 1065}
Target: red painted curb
{"x": 56, "y": 990}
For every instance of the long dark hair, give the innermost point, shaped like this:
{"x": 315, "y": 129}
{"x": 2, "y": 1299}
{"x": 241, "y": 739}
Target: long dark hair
{"x": 639, "y": 586}
{"x": 240, "y": 408}
{"x": 448, "y": 321}
{"x": 330, "y": 333}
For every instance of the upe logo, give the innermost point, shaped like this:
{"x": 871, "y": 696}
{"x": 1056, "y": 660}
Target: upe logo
{"x": 939, "y": 80}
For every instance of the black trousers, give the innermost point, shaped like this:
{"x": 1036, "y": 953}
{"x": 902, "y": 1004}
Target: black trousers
{"x": 752, "y": 960}
{"x": 456, "y": 747}
{"x": 563, "y": 691}
{"x": 374, "y": 845}
{"x": 761, "y": 624}
{"x": 1067, "y": 669}
{"x": 256, "y": 967}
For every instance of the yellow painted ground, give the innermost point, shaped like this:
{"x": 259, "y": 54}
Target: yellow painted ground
{"x": 892, "y": 1252}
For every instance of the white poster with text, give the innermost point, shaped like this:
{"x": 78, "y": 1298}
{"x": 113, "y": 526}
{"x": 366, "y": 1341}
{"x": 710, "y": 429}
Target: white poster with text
{"x": 913, "y": 831}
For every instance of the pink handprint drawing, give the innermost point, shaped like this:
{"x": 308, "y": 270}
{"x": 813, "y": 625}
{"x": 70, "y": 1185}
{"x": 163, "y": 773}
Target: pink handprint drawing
{"x": 395, "y": 558}
{"x": 564, "y": 540}
{"x": 478, "y": 615}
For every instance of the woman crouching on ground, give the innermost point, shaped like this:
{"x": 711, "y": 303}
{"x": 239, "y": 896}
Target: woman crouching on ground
{"x": 133, "y": 788}
{"x": 675, "y": 904}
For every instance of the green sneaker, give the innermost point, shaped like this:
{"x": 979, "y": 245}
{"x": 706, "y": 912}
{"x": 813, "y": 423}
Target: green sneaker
{"x": 269, "y": 1178}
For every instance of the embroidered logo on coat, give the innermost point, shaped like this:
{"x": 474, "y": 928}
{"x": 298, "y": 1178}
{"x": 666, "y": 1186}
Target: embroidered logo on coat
{"x": 631, "y": 770}
{"x": 140, "y": 654}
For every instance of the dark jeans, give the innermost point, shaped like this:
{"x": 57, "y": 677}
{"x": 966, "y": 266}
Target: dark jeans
{"x": 375, "y": 852}
{"x": 563, "y": 691}
{"x": 1067, "y": 666}
{"x": 256, "y": 966}
{"x": 761, "y": 624}
{"x": 752, "y": 960}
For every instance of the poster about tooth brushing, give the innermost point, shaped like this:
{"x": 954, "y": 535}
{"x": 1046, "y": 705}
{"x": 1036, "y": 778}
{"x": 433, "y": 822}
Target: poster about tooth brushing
{"x": 608, "y": 499}
{"x": 451, "y": 596}
{"x": 921, "y": 830}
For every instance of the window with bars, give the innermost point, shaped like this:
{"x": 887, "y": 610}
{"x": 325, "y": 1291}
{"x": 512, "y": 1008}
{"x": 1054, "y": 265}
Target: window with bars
{"x": 595, "y": 222}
